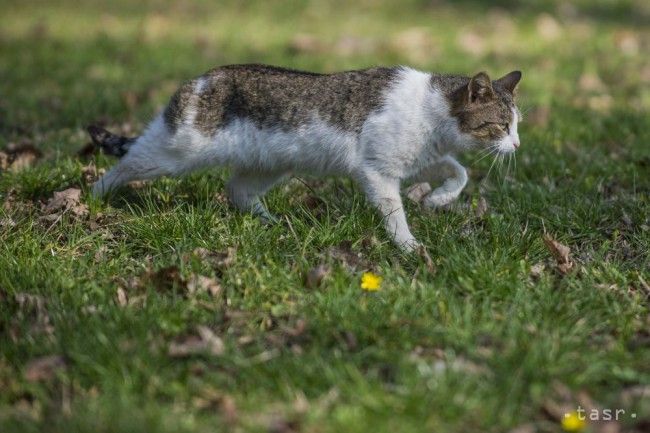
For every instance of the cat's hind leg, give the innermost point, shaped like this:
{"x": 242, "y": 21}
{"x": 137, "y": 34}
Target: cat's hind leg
{"x": 245, "y": 190}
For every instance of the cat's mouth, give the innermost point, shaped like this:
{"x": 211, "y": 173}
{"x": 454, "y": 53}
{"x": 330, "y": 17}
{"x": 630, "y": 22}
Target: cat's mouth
{"x": 508, "y": 145}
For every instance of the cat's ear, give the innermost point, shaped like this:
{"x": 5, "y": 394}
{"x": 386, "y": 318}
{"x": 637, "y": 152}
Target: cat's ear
{"x": 510, "y": 81}
{"x": 480, "y": 88}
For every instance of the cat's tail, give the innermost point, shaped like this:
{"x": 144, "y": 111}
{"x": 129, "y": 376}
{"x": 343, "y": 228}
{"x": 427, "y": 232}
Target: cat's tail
{"x": 110, "y": 143}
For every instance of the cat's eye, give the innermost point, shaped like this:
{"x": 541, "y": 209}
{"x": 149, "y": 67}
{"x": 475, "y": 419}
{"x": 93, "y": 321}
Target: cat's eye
{"x": 506, "y": 127}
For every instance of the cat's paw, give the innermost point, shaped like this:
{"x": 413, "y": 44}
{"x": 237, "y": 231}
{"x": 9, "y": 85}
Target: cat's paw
{"x": 438, "y": 199}
{"x": 410, "y": 245}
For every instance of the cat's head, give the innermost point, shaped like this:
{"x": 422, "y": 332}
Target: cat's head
{"x": 486, "y": 112}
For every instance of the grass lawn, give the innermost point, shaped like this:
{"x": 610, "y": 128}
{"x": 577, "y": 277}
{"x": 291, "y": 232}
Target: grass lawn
{"x": 161, "y": 309}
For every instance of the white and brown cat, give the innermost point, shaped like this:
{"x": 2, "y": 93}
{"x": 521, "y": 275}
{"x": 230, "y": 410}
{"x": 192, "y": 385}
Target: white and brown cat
{"x": 380, "y": 126}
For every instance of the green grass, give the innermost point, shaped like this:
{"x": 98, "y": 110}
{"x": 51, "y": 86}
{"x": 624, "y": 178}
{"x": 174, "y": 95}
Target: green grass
{"x": 479, "y": 344}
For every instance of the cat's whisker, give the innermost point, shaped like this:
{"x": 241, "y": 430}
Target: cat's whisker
{"x": 487, "y": 176}
{"x": 485, "y": 153}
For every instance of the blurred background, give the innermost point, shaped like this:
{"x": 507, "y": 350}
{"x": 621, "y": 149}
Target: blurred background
{"x": 66, "y": 63}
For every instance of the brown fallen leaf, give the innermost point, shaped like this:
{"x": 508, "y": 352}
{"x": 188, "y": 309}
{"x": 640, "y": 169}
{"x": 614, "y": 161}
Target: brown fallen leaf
{"x": 561, "y": 254}
{"x": 212, "y": 399}
{"x": 90, "y": 173}
{"x": 524, "y": 428}
{"x": 7, "y": 223}
{"x": 306, "y": 43}
{"x": 33, "y": 308}
{"x": 4, "y": 161}
{"x": 415, "y": 44}
{"x": 472, "y": 43}
{"x": 201, "y": 283}
{"x": 537, "y": 269}
{"x": 206, "y": 342}
{"x": 350, "y": 45}
{"x": 217, "y": 259}
{"x": 591, "y": 82}
{"x": 352, "y": 260}
{"x": 627, "y": 42}
{"x": 121, "y": 298}
{"x": 19, "y": 156}
{"x": 66, "y": 201}
{"x": 44, "y": 368}
{"x": 548, "y": 27}
{"x": 166, "y": 279}
{"x": 228, "y": 409}
{"x": 316, "y": 275}
{"x": 428, "y": 261}
{"x": 539, "y": 116}
{"x": 418, "y": 191}
{"x": 137, "y": 184}
{"x": 282, "y": 425}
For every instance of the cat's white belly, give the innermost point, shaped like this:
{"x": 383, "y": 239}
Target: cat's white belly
{"x": 316, "y": 148}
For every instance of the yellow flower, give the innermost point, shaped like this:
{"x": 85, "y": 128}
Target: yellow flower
{"x": 572, "y": 422}
{"x": 370, "y": 282}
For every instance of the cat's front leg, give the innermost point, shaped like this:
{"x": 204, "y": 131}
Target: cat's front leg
{"x": 451, "y": 187}
{"x": 383, "y": 192}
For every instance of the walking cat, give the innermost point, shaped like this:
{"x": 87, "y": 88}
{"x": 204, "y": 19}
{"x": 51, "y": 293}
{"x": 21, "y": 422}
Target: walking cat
{"x": 380, "y": 126}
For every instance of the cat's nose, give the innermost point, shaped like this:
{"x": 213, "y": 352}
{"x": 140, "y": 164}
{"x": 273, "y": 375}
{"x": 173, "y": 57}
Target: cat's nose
{"x": 516, "y": 144}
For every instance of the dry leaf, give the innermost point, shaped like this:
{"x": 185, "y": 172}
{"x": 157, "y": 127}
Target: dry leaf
{"x": 90, "y": 173}
{"x": 100, "y": 253}
{"x": 4, "y": 161}
{"x": 524, "y": 428}
{"x": 591, "y": 82}
{"x": 539, "y": 116}
{"x": 19, "y": 156}
{"x": 7, "y": 223}
{"x": 548, "y": 27}
{"x": 166, "y": 279}
{"x": 228, "y": 409}
{"x": 44, "y": 368}
{"x": 68, "y": 201}
{"x": 418, "y": 191}
{"x": 349, "y": 45}
{"x": 122, "y": 299}
{"x": 415, "y": 44}
{"x": 472, "y": 43}
{"x": 200, "y": 283}
{"x": 306, "y": 43}
{"x": 206, "y": 342}
{"x": 343, "y": 254}
{"x": 32, "y": 308}
{"x": 537, "y": 269}
{"x": 316, "y": 275}
{"x": 422, "y": 252}
{"x": 627, "y": 42}
{"x": 560, "y": 253}
{"x": 137, "y": 184}
{"x": 282, "y": 425}
{"x": 217, "y": 259}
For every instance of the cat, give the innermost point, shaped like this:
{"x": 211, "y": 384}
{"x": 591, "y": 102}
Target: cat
{"x": 380, "y": 126}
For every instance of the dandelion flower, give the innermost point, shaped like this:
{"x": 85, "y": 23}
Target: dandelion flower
{"x": 370, "y": 282}
{"x": 572, "y": 422}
